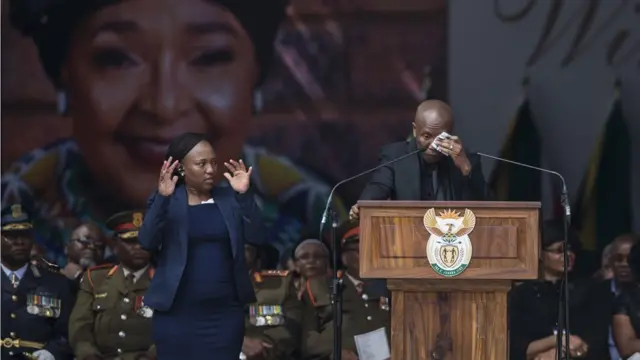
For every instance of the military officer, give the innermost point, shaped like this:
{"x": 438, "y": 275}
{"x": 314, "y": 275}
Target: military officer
{"x": 273, "y": 323}
{"x": 110, "y": 319}
{"x": 365, "y": 303}
{"x": 36, "y": 302}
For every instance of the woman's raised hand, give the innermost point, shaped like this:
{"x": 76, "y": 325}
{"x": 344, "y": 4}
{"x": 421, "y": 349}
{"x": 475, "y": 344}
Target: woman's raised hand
{"x": 239, "y": 177}
{"x": 167, "y": 181}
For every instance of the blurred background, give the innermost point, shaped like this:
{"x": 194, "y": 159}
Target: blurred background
{"x": 349, "y": 74}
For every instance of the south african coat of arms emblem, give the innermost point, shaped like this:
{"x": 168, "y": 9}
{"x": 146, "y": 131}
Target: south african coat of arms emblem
{"x": 449, "y": 248}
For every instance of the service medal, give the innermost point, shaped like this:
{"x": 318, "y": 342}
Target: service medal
{"x": 146, "y": 312}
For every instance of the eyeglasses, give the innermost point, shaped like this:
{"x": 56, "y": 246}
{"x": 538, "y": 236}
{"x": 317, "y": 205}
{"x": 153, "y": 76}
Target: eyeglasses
{"x": 88, "y": 242}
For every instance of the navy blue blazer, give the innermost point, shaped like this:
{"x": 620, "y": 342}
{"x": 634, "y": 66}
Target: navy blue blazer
{"x": 165, "y": 232}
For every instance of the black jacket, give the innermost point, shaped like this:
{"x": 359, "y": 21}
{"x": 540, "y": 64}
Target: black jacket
{"x": 401, "y": 180}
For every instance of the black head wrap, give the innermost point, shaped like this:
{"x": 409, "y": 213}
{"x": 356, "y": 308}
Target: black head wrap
{"x": 180, "y": 147}
{"x": 553, "y": 232}
{"x": 50, "y": 23}
{"x": 182, "y": 144}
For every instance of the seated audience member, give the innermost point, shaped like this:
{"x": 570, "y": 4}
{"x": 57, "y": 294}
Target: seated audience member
{"x": 365, "y": 307}
{"x": 110, "y": 319}
{"x": 534, "y": 307}
{"x": 626, "y": 318}
{"x": 312, "y": 258}
{"x": 273, "y": 324}
{"x": 619, "y": 264}
{"x": 36, "y": 302}
{"x": 85, "y": 250}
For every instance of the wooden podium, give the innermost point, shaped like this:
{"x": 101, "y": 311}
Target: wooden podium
{"x": 463, "y": 317}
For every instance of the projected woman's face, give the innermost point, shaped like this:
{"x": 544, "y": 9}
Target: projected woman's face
{"x": 141, "y": 72}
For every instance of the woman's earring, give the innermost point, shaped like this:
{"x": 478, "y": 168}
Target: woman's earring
{"x": 181, "y": 171}
{"x": 258, "y": 101}
{"x": 62, "y": 102}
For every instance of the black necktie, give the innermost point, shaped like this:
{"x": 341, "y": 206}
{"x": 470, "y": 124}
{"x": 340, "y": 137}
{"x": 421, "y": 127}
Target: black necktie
{"x": 129, "y": 279}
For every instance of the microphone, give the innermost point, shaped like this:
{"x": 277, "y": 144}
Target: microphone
{"x": 325, "y": 214}
{"x": 336, "y": 282}
{"x": 565, "y": 194}
{"x": 564, "y": 198}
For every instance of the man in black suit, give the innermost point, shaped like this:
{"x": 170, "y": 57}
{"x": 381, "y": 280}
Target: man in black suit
{"x": 430, "y": 175}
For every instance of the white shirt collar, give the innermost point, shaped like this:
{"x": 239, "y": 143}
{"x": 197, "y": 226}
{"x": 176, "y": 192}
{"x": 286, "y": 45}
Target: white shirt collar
{"x": 19, "y": 273}
{"x": 136, "y": 274}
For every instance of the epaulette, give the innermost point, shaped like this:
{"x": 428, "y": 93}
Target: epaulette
{"x": 43, "y": 263}
{"x": 274, "y": 272}
{"x": 100, "y": 267}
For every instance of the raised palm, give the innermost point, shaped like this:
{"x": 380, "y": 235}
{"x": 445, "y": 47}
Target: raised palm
{"x": 239, "y": 177}
{"x": 167, "y": 181}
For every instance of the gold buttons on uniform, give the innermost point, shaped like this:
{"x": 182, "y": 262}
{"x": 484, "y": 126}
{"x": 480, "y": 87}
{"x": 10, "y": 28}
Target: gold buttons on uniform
{"x": 14, "y": 298}
{"x": 369, "y": 318}
{"x": 123, "y": 316}
{"x": 122, "y": 334}
{"x": 12, "y": 334}
{"x": 126, "y": 300}
{"x": 13, "y": 316}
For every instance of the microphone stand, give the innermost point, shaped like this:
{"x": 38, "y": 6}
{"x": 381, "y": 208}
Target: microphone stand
{"x": 563, "y": 316}
{"x": 336, "y": 289}
{"x": 336, "y": 282}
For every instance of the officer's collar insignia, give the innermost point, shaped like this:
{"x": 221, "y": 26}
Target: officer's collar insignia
{"x": 257, "y": 277}
{"x": 100, "y": 295}
{"x": 112, "y": 271}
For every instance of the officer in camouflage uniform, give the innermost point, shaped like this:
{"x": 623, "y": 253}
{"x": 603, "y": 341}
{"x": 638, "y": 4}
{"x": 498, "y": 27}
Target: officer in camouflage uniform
{"x": 110, "y": 320}
{"x": 273, "y": 323}
{"x": 36, "y": 301}
{"x": 365, "y": 304}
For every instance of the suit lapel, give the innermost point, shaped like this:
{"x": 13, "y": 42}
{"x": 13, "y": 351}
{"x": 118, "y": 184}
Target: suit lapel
{"x": 28, "y": 281}
{"x": 182, "y": 214}
{"x": 119, "y": 281}
{"x": 409, "y": 175}
{"x": 225, "y": 204}
{"x": 143, "y": 282}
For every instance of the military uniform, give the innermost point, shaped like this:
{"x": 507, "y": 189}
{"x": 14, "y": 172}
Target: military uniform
{"x": 36, "y": 303}
{"x": 365, "y": 307}
{"x": 362, "y": 310}
{"x": 276, "y": 316}
{"x": 110, "y": 319}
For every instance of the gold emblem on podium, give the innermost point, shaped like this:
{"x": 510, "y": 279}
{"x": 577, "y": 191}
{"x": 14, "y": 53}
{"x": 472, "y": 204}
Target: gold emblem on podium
{"x": 449, "y": 248}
